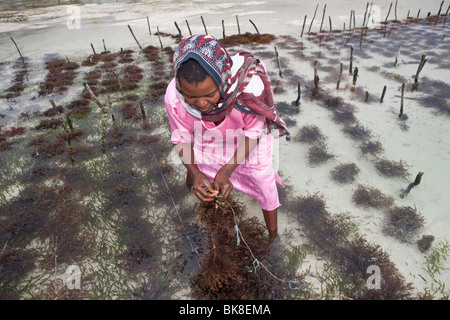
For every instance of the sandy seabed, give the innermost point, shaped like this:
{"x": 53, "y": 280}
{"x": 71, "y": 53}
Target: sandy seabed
{"x": 350, "y": 152}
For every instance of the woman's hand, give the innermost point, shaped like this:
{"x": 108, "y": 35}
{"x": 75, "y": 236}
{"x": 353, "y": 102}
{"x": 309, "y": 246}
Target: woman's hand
{"x": 202, "y": 187}
{"x": 222, "y": 182}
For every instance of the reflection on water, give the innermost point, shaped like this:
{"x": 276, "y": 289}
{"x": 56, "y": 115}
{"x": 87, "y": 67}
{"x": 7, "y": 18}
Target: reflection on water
{"x": 24, "y": 4}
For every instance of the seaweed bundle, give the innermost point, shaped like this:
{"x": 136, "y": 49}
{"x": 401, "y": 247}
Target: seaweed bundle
{"x": 318, "y": 154}
{"x": 19, "y": 80}
{"x": 159, "y": 78}
{"x": 357, "y": 132}
{"x": 310, "y": 134}
{"x": 247, "y": 38}
{"x": 403, "y": 223}
{"x": 345, "y": 173}
{"x": 390, "y": 168}
{"x": 5, "y": 143}
{"x": 365, "y": 197}
{"x": 60, "y": 75}
{"x": 226, "y": 271}
{"x": 371, "y": 147}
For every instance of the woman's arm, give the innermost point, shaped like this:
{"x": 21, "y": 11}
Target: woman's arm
{"x": 201, "y": 186}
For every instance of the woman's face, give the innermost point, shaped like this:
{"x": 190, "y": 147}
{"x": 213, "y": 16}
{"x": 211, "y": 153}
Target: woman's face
{"x": 203, "y": 96}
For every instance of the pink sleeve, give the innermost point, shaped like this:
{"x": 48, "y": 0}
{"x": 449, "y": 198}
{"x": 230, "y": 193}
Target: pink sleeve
{"x": 180, "y": 125}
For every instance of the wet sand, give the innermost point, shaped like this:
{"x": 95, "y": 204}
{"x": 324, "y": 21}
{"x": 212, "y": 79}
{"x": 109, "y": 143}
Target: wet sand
{"x": 381, "y": 151}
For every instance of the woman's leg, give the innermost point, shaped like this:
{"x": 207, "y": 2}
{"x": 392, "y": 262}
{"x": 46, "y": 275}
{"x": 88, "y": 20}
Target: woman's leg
{"x": 271, "y": 219}
{"x": 189, "y": 180}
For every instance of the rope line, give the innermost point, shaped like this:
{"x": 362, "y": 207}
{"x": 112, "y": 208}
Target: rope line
{"x": 256, "y": 263}
{"x": 194, "y": 249}
{"x": 238, "y": 240}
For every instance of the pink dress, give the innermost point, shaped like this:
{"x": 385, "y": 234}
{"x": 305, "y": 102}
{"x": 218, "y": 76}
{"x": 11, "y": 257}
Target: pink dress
{"x": 215, "y": 145}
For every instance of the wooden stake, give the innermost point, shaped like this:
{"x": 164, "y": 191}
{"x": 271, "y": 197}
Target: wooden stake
{"x": 93, "y": 48}
{"x": 204, "y": 25}
{"x": 398, "y": 53}
{"x": 20, "y": 54}
{"x": 423, "y": 60}
{"x": 223, "y": 28}
{"x": 351, "y": 60}
{"x": 312, "y": 21}
{"x": 350, "y": 22}
{"x": 119, "y": 81}
{"x": 316, "y": 76}
{"x": 278, "y": 61}
{"x": 159, "y": 37}
{"x": 238, "y": 26}
{"x": 254, "y": 25}
{"x": 331, "y": 26}
{"x": 354, "y": 19}
{"x": 440, "y": 8}
{"x": 53, "y": 103}
{"x": 179, "y": 31}
{"x": 94, "y": 97}
{"x": 148, "y": 24}
{"x": 134, "y": 37}
{"x": 401, "y": 101}
{"x": 189, "y": 28}
{"x": 303, "y": 28}
{"x": 297, "y": 102}
{"x": 365, "y": 14}
{"x": 323, "y": 17}
{"x": 104, "y": 46}
{"x": 389, "y": 11}
{"x": 416, "y": 182}
{"x": 395, "y": 10}
{"x": 355, "y": 75}
{"x": 340, "y": 75}
{"x": 383, "y": 93}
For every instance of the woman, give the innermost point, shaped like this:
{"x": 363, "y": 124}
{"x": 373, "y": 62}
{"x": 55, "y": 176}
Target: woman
{"x": 221, "y": 113}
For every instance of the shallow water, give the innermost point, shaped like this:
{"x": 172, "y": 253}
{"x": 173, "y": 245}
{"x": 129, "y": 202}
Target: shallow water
{"x": 130, "y": 228}
{"x": 25, "y": 4}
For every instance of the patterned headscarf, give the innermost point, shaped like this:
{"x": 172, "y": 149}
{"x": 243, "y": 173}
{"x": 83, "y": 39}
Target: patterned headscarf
{"x": 216, "y": 61}
{"x": 208, "y": 52}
